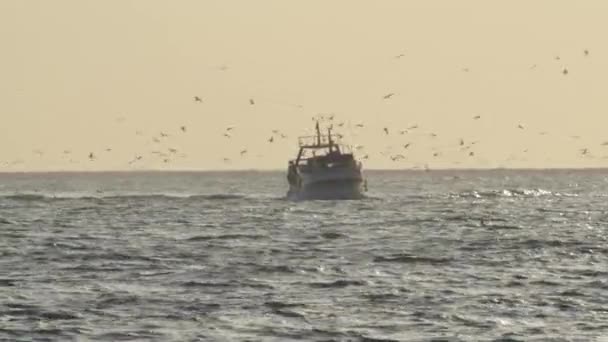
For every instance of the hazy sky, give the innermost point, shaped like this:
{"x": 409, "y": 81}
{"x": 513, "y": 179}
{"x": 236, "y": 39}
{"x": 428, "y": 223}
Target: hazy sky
{"x": 84, "y": 76}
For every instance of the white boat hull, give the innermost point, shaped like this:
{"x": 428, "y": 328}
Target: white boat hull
{"x": 342, "y": 184}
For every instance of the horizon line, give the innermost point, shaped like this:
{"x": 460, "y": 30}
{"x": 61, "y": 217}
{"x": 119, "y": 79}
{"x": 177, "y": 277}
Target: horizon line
{"x": 469, "y": 169}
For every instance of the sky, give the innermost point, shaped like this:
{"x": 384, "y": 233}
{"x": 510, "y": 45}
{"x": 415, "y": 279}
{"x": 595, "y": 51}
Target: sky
{"x": 108, "y": 77}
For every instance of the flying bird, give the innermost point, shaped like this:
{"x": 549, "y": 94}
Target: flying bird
{"x": 413, "y": 127}
{"x": 198, "y": 99}
{"x": 584, "y": 151}
{"x": 586, "y": 52}
{"x": 388, "y": 96}
{"x": 135, "y": 159}
{"x": 400, "y": 55}
{"x": 406, "y": 145}
{"x": 164, "y": 135}
{"x": 471, "y": 154}
{"x": 477, "y": 117}
{"x": 397, "y": 157}
{"x": 91, "y": 156}
{"x": 227, "y": 135}
{"x": 251, "y": 102}
{"x": 183, "y": 128}
{"x": 461, "y": 142}
{"x": 359, "y": 125}
{"x": 243, "y": 152}
{"x": 271, "y": 139}
{"x": 385, "y": 130}
{"x": 520, "y": 126}
{"x": 565, "y": 71}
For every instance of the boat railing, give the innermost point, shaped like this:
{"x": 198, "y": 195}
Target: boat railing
{"x": 314, "y": 140}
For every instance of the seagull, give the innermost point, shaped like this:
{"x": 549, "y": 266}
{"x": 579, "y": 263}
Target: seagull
{"x": 226, "y": 160}
{"x": 341, "y": 124}
{"x": 520, "y": 126}
{"x": 386, "y": 130}
{"x": 565, "y": 71}
{"x": 586, "y": 52}
{"x": 400, "y": 55}
{"x": 465, "y": 69}
{"x": 198, "y": 99}
{"x": 584, "y": 151}
{"x": 476, "y": 117}
{"x": 227, "y": 135}
{"x": 388, "y": 96}
{"x": 164, "y": 135}
{"x": 406, "y": 145}
{"x": 243, "y": 152}
{"x": 156, "y": 140}
{"x": 108, "y": 150}
{"x": 413, "y": 127}
{"x": 433, "y": 135}
{"x": 271, "y": 139}
{"x": 436, "y": 154}
{"x": 172, "y": 150}
{"x": 91, "y": 156}
{"x": 402, "y": 132}
{"x": 461, "y": 142}
{"x": 471, "y": 154}
{"x": 533, "y": 66}
{"x": 397, "y": 157}
{"x": 365, "y": 157}
{"x": 135, "y": 159}
{"x": 283, "y": 136}
{"x": 228, "y": 129}
{"x": 359, "y": 125}
{"x": 605, "y": 143}
{"x": 183, "y": 128}
{"x": 251, "y": 102}
{"x": 557, "y": 58}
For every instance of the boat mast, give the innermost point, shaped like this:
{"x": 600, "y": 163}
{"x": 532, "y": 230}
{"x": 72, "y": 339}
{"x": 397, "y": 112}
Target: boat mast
{"x": 331, "y": 143}
{"x": 318, "y": 134}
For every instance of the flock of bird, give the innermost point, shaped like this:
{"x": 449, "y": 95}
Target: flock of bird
{"x": 167, "y": 154}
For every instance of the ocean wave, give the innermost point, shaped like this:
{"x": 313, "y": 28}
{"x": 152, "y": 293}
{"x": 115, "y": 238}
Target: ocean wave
{"x": 411, "y": 259}
{"x": 35, "y": 197}
{"x": 509, "y": 193}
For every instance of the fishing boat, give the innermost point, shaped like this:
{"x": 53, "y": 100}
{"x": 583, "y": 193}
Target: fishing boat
{"x": 324, "y": 170}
